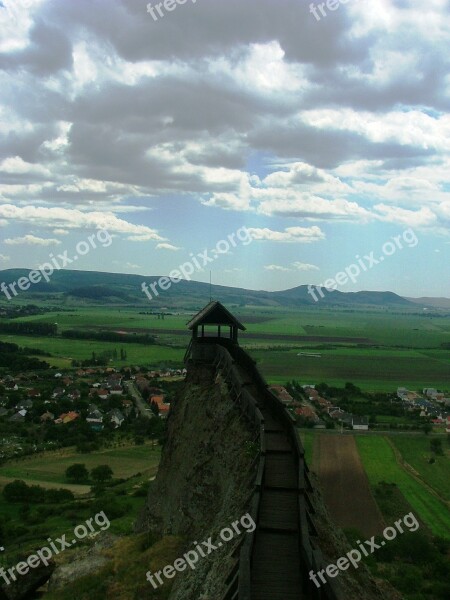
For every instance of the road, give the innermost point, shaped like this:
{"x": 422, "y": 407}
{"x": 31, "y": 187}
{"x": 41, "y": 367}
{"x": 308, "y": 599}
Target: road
{"x": 143, "y": 408}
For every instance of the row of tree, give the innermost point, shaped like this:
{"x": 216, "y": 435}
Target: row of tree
{"x": 78, "y": 473}
{"x": 108, "y": 336}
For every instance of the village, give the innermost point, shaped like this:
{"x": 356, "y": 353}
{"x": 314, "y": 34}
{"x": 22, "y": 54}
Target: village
{"x": 41, "y": 411}
{"x": 318, "y": 409}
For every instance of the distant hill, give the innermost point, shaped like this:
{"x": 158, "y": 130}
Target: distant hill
{"x": 433, "y": 302}
{"x": 117, "y": 288}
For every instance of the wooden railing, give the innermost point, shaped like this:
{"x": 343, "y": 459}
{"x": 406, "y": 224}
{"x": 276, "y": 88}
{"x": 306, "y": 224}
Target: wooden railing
{"x": 227, "y": 357}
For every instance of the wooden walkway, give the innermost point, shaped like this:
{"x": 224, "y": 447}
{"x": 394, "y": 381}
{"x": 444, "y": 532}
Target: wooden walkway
{"x": 276, "y": 557}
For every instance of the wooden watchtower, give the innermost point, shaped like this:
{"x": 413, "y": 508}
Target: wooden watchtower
{"x": 214, "y": 324}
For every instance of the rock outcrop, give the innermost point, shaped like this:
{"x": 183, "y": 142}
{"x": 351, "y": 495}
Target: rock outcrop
{"x": 204, "y": 482}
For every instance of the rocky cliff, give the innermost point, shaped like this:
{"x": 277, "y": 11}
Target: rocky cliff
{"x": 204, "y": 481}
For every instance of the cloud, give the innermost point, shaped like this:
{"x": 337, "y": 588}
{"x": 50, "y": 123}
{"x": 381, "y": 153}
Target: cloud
{"x": 300, "y": 235}
{"x": 31, "y": 240}
{"x": 276, "y": 268}
{"x": 297, "y": 266}
{"x": 305, "y": 266}
{"x": 165, "y": 246}
{"x": 412, "y": 218}
{"x": 126, "y": 265}
{"x": 76, "y": 219}
{"x": 4, "y": 257}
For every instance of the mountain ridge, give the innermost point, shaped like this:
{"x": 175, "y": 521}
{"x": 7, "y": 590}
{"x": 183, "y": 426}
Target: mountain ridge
{"x": 113, "y": 287}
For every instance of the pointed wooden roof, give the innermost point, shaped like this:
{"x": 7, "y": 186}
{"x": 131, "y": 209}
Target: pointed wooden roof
{"x": 215, "y": 313}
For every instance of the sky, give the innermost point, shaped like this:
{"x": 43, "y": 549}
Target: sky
{"x": 324, "y": 134}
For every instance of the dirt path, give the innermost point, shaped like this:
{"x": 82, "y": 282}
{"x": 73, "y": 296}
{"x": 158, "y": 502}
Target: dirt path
{"x": 344, "y": 484}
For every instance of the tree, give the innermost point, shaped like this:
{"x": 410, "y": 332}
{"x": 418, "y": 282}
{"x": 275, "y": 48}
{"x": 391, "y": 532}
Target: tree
{"x": 77, "y": 472}
{"x": 102, "y": 473}
{"x": 436, "y": 446}
{"x": 427, "y": 428}
{"x": 16, "y": 491}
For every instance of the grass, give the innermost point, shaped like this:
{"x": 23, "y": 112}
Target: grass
{"x": 65, "y": 350}
{"x": 415, "y": 450}
{"x": 124, "y": 575}
{"x": 307, "y": 439}
{"x": 380, "y": 463}
{"x": 370, "y": 368}
{"x": 49, "y": 468}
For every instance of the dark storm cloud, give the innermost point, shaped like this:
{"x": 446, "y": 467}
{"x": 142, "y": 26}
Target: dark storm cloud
{"x": 201, "y": 106}
{"x": 49, "y": 51}
{"x": 210, "y": 27}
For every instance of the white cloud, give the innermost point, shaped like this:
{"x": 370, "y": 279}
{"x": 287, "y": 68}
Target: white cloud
{"x": 412, "y": 218}
{"x": 67, "y": 218}
{"x": 166, "y": 246}
{"x": 300, "y": 235}
{"x": 126, "y": 265}
{"x": 276, "y": 268}
{"x": 16, "y": 165}
{"x": 305, "y": 266}
{"x": 4, "y": 257}
{"x": 32, "y": 240}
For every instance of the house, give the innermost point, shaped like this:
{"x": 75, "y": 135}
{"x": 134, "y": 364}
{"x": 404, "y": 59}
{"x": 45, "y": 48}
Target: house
{"x": 95, "y": 420}
{"x": 47, "y": 416}
{"x": 33, "y": 393}
{"x": 157, "y": 399}
{"x": 320, "y": 424}
{"x": 163, "y": 407}
{"x": 360, "y": 423}
{"x": 3, "y": 412}
{"x": 58, "y": 392}
{"x": 116, "y": 417}
{"x": 447, "y": 428}
{"x": 11, "y": 386}
{"x": 281, "y": 393}
{"x": 100, "y": 392}
{"x": 67, "y": 417}
{"x": 335, "y": 412}
{"x": 24, "y": 405}
{"x": 19, "y": 417}
{"x": 312, "y": 393}
{"x": 430, "y": 392}
{"x": 307, "y": 413}
{"x": 74, "y": 394}
{"x": 163, "y": 410}
{"x": 324, "y": 404}
{"x": 346, "y": 418}
{"x": 116, "y": 390}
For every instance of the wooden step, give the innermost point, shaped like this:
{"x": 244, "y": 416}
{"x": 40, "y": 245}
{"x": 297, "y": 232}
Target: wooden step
{"x": 276, "y": 566}
{"x": 279, "y": 510}
{"x": 280, "y": 472}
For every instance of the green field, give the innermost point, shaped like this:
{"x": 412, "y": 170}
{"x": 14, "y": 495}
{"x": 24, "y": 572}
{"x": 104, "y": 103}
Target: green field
{"x": 307, "y": 439}
{"x": 64, "y": 351}
{"x": 380, "y": 464}
{"x": 404, "y": 346}
{"x": 369, "y": 368}
{"x": 415, "y": 450}
{"x": 50, "y": 468}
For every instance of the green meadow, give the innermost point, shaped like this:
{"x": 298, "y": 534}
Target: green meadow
{"x": 381, "y": 465}
{"x": 50, "y": 467}
{"x": 403, "y": 348}
{"x": 378, "y": 369}
{"x": 415, "y": 450}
